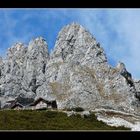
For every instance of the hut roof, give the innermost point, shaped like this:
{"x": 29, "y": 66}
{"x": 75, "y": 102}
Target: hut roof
{"x": 41, "y": 99}
{"x": 16, "y": 104}
{"x": 10, "y": 101}
{"x": 25, "y": 101}
{"x": 7, "y": 106}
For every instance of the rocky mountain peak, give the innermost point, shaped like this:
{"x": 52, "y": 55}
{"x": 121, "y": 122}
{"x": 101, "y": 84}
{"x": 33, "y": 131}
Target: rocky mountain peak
{"x": 72, "y": 43}
{"x": 16, "y": 50}
{"x": 69, "y": 30}
{"x": 38, "y": 46}
{"x": 122, "y": 70}
{"x": 121, "y": 66}
{"x": 75, "y": 74}
{"x": 38, "y": 42}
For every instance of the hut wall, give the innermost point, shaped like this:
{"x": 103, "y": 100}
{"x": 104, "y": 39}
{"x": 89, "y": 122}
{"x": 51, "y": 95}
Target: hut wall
{"x": 41, "y": 104}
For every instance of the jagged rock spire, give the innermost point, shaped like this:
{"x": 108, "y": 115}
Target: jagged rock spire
{"x": 72, "y": 43}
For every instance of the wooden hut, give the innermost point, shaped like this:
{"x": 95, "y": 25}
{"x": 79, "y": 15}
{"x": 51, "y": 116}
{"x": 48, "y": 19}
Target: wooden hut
{"x": 17, "y": 106}
{"x": 9, "y": 104}
{"x": 13, "y": 104}
{"x": 41, "y": 103}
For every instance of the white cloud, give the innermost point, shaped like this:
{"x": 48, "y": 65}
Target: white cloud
{"x": 128, "y": 28}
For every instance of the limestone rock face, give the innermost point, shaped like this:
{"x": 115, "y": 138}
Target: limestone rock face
{"x": 12, "y": 70}
{"x": 1, "y": 64}
{"x": 80, "y": 75}
{"x": 75, "y": 74}
{"x": 23, "y": 70}
{"x": 34, "y": 64}
{"x": 137, "y": 86}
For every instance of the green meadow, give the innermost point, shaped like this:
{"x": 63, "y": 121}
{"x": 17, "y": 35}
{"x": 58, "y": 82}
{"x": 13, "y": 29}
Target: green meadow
{"x": 49, "y": 120}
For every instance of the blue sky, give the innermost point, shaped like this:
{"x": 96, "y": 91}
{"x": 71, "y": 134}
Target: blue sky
{"x": 117, "y": 30}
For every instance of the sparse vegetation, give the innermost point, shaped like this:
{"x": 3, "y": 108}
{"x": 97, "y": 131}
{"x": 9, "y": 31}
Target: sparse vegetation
{"x": 77, "y": 109}
{"x": 49, "y": 120}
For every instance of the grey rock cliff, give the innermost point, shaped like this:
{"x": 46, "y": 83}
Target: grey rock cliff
{"x": 79, "y": 74}
{"x": 137, "y": 86}
{"x": 75, "y": 74}
{"x": 23, "y": 70}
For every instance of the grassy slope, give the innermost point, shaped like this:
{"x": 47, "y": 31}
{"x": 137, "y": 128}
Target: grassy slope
{"x": 49, "y": 120}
